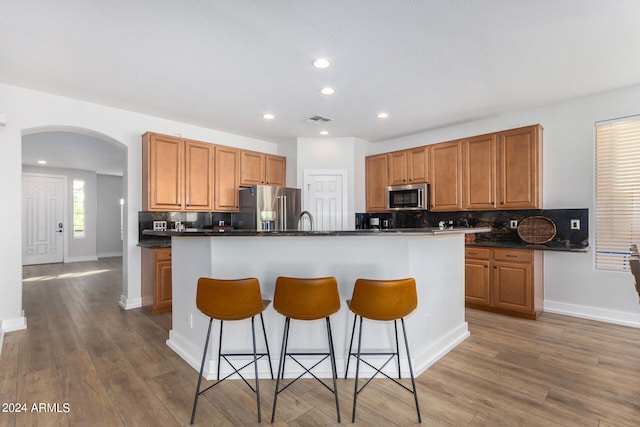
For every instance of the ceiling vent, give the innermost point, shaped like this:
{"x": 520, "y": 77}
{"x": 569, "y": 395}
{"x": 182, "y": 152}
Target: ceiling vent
{"x": 318, "y": 120}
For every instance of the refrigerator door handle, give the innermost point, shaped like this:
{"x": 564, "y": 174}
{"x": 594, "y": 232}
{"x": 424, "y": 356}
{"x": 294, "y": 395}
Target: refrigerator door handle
{"x": 284, "y": 213}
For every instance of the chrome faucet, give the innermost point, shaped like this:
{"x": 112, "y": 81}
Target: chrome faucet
{"x": 308, "y": 214}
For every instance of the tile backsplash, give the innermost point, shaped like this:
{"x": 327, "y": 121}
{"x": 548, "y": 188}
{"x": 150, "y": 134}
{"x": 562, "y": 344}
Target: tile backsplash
{"x": 500, "y": 223}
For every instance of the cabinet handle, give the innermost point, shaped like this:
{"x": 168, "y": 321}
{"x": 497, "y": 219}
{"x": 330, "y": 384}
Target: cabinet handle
{"x": 495, "y": 267}
{"x": 486, "y": 266}
{"x": 512, "y": 256}
{"x": 472, "y": 253}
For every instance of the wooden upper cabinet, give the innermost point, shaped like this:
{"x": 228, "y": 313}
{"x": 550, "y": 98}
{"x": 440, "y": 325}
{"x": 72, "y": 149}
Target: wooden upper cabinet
{"x": 162, "y": 172}
{"x": 252, "y": 168}
{"x": 198, "y": 176}
{"x": 397, "y": 167}
{"x": 376, "y": 181}
{"x": 479, "y": 172}
{"x": 227, "y": 179}
{"x": 409, "y": 166}
{"x": 418, "y": 164}
{"x": 177, "y": 174}
{"x": 446, "y": 176}
{"x": 520, "y": 168}
{"x": 262, "y": 169}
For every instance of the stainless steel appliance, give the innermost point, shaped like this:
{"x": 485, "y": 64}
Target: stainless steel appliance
{"x": 268, "y": 208}
{"x": 412, "y": 197}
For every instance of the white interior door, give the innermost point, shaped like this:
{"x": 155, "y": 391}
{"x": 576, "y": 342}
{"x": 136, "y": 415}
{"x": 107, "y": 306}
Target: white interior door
{"x": 43, "y": 199}
{"x": 324, "y": 196}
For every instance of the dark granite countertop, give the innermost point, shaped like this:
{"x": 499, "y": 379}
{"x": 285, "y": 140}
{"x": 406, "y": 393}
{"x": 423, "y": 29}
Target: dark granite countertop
{"x": 155, "y": 244}
{"x": 550, "y": 246}
{"x": 368, "y": 232}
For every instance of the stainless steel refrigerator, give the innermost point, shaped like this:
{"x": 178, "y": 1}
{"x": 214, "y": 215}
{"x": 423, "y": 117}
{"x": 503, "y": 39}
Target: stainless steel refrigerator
{"x": 268, "y": 208}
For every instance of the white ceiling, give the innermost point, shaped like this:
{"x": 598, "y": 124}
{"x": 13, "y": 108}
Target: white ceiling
{"x": 222, "y": 64}
{"x": 73, "y": 151}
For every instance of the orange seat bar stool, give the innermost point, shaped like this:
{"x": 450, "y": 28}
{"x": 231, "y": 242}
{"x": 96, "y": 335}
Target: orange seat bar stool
{"x": 382, "y": 300}
{"x": 227, "y": 300}
{"x": 306, "y": 299}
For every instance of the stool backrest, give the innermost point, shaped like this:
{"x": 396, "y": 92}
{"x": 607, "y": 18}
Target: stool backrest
{"x": 229, "y": 299}
{"x": 306, "y": 299}
{"x": 384, "y": 299}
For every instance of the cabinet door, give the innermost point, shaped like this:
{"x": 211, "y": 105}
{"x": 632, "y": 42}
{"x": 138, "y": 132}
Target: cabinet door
{"x": 519, "y": 160}
{"x": 163, "y": 172}
{"x": 162, "y": 295}
{"x": 418, "y": 165}
{"x": 446, "y": 176}
{"x": 275, "y": 170}
{"x": 376, "y": 182}
{"x": 476, "y": 282}
{"x": 227, "y": 179}
{"x": 198, "y": 176}
{"x": 512, "y": 286}
{"x": 397, "y": 167}
{"x": 479, "y": 172}
{"x": 252, "y": 168}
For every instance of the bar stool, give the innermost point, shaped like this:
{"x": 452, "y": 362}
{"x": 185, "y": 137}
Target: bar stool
{"x": 231, "y": 300}
{"x": 306, "y": 299}
{"x": 382, "y": 300}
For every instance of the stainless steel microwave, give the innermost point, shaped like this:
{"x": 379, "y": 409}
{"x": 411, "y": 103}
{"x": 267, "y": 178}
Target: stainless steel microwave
{"x": 412, "y": 197}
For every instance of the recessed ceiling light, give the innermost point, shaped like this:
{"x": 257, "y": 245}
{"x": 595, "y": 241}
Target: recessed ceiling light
{"x": 268, "y": 116}
{"x": 321, "y": 63}
{"x": 324, "y": 132}
{"x": 42, "y": 162}
{"x": 382, "y": 115}
{"x": 327, "y": 91}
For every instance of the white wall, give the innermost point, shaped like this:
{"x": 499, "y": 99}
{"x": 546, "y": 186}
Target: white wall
{"x": 108, "y": 242}
{"x": 572, "y": 285}
{"x": 30, "y": 111}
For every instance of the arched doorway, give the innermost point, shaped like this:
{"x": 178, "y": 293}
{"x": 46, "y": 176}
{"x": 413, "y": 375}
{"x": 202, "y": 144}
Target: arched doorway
{"x": 96, "y": 161}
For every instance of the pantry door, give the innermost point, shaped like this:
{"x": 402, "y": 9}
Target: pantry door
{"x": 324, "y": 196}
{"x": 43, "y": 199}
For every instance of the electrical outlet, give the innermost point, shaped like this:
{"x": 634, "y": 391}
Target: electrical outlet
{"x": 190, "y": 320}
{"x": 575, "y": 224}
{"x": 220, "y": 223}
{"x": 513, "y": 223}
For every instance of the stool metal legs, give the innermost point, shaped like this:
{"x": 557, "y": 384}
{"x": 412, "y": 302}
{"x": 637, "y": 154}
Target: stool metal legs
{"x": 235, "y": 370}
{"x": 281, "y": 364}
{"x": 358, "y": 355}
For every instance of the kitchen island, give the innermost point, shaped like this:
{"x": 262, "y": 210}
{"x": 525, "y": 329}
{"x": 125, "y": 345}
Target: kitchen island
{"x": 433, "y": 256}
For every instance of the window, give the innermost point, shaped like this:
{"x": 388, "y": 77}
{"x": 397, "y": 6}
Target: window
{"x": 78, "y": 208}
{"x": 617, "y": 192}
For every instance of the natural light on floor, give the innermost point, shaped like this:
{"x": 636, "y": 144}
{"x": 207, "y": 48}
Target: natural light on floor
{"x": 64, "y": 276}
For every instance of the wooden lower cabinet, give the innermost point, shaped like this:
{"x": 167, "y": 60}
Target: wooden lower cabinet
{"x": 508, "y": 281}
{"x": 156, "y": 279}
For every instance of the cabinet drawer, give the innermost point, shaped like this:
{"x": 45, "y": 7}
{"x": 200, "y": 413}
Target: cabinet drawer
{"x": 477, "y": 253}
{"x": 162, "y": 254}
{"x": 512, "y": 255}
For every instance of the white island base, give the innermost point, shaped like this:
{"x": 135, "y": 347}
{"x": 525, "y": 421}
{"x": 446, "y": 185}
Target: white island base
{"x": 436, "y": 261}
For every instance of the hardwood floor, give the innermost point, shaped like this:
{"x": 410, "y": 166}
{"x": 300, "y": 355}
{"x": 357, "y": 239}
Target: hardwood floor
{"x": 104, "y": 366}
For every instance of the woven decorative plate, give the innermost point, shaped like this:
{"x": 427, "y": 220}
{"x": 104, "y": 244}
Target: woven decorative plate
{"x": 537, "y": 229}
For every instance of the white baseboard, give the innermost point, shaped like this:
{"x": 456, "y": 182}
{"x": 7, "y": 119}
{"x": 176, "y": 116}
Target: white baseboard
{"x": 16, "y": 324}
{"x": 594, "y": 313}
{"x": 81, "y": 258}
{"x": 129, "y": 303}
{"x": 109, "y": 254}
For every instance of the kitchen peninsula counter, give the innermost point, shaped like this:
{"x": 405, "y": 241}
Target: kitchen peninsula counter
{"x": 433, "y": 256}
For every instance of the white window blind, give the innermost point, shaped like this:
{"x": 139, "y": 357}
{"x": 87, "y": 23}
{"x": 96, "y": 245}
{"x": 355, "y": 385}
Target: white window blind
{"x": 617, "y": 192}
